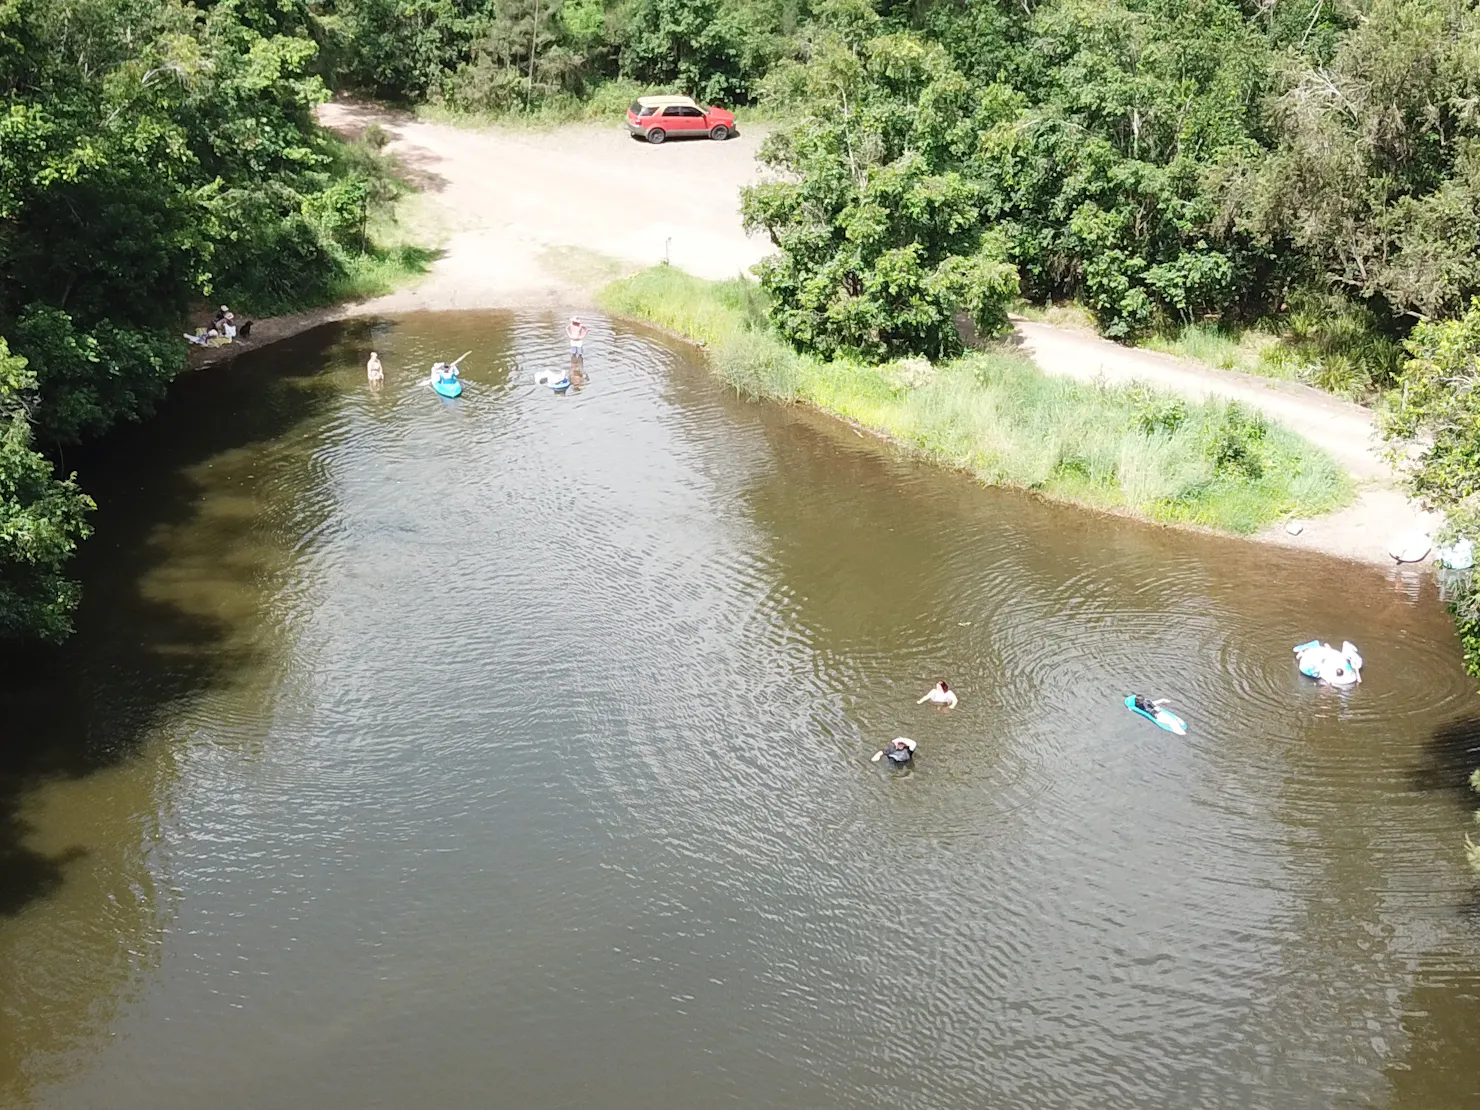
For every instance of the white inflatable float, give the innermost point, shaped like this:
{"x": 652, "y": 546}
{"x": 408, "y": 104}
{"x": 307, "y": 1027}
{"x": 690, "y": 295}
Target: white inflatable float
{"x": 1325, "y": 664}
{"x": 1459, "y": 555}
{"x": 1411, "y": 547}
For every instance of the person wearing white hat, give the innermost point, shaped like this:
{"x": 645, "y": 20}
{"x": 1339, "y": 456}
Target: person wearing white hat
{"x": 901, "y": 752}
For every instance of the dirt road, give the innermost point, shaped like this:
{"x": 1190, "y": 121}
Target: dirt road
{"x": 1363, "y": 531}
{"x": 535, "y": 215}
{"x": 529, "y": 217}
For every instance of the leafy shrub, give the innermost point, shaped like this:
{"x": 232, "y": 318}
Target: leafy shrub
{"x": 1157, "y": 412}
{"x": 1236, "y": 442}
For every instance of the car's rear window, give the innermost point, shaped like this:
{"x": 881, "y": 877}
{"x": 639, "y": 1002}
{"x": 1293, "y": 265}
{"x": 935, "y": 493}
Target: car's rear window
{"x": 638, "y": 110}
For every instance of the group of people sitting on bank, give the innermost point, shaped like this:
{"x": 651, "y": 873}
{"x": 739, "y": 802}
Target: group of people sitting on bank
{"x": 223, "y": 329}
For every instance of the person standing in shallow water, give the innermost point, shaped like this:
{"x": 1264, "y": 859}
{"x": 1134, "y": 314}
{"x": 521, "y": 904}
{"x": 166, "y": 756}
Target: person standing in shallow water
{"x": 374, "y": 371}
{"x": 576, "y": 332}
{"x": 901, "y": 752}
{"x": 939, "y": 694}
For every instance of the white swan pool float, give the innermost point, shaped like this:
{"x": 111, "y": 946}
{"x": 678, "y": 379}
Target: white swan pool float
{"x": 1459, "y": 555}
{"x": 1326, "y": 664}
{"x": 1410, "y": 547}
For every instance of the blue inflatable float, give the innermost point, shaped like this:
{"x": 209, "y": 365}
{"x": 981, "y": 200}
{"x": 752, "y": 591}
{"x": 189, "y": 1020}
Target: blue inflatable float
{"x": 1326, "y": 664}
{"x": 1158, "y": 716}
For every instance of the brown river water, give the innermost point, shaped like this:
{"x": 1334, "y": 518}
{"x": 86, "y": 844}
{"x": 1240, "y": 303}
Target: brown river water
{"x": 514, "y": 751}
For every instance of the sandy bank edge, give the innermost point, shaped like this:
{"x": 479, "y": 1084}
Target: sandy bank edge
{"x": 505, "y": 200}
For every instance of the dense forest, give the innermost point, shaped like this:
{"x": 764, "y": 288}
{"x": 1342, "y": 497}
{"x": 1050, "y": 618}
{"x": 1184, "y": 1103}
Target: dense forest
{"x": 1310, "y": 162}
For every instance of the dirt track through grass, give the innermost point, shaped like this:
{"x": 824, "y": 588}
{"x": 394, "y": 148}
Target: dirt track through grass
{"x": 531, "y": 218}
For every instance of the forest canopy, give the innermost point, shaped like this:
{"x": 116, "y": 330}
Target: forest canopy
{"x": 153, "y": 153}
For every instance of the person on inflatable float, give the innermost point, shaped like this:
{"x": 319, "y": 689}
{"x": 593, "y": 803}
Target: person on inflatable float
{"x": 1324, "y": 663}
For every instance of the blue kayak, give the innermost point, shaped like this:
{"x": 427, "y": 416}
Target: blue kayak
{"x": 447, "y": 387}
{"x": 1161, "y": 718}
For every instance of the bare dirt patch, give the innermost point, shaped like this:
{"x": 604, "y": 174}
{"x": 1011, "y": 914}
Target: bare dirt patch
{"x": 545, "y": 218}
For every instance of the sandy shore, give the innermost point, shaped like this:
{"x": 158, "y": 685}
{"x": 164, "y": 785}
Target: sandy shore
{"x": 532, "y": 218}
{"x": 543, "y": 219}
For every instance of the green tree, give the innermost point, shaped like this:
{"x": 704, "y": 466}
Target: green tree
{"x": 711, "y": 49}
{"x": 152, "y": 152}
{"x": 1373, "y": 173}
{"x": 1106, "y": 180}
{"x": 41, "y": 520}
{"x": 880, "y": 238}
{"x": 522, "y": 56}
{"x": 403, "y": 49}
{"x": 1472, "y": 850}
{"x": 1435, "y": 415}
{"x": 1433, "y": 418}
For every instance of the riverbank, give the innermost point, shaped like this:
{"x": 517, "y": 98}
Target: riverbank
{"x": 543, "y": 220}
{"x": 523, "y": 218}
{"x": 1124, "y": 448}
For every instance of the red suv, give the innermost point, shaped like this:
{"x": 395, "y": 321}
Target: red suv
{"x": 656, "y": 118}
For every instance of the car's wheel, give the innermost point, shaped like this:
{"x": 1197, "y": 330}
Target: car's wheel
{"x": 657, "y": 135}
{"x": 719, "y": 132}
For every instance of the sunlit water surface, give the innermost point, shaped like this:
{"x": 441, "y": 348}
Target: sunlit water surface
{"x": 514, "y": 751}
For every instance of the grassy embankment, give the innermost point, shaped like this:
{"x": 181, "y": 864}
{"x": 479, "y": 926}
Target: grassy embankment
{"x": 995, "y": 415}
{"x": 398, "y": 246}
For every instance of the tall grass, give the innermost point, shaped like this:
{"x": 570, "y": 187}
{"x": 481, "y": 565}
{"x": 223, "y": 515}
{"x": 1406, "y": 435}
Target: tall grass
{"x": 1321, "y": 338}
{"x": 1242, "y": 349}
{"x": 996, "y": 415}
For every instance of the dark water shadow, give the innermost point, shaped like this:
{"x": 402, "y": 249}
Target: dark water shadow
{"x": 84, "y": 706}
{"x": 1451, "y": 755}
{"x": 1442, "y": 1020}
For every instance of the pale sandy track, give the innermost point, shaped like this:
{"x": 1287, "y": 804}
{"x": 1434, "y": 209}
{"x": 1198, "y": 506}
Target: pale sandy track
{"x": 1363, "y": 531}
{"x": 542, "y": 218}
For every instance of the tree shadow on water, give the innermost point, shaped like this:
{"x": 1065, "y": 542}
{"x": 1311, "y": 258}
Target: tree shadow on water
{"x": 1451, "y": 755}
{"x": 85, "y": 706}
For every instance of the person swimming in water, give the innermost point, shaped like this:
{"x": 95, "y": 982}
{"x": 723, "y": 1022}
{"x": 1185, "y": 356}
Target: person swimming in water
{"x": 939, "y": 694}
{"x": 901, "y": 752}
